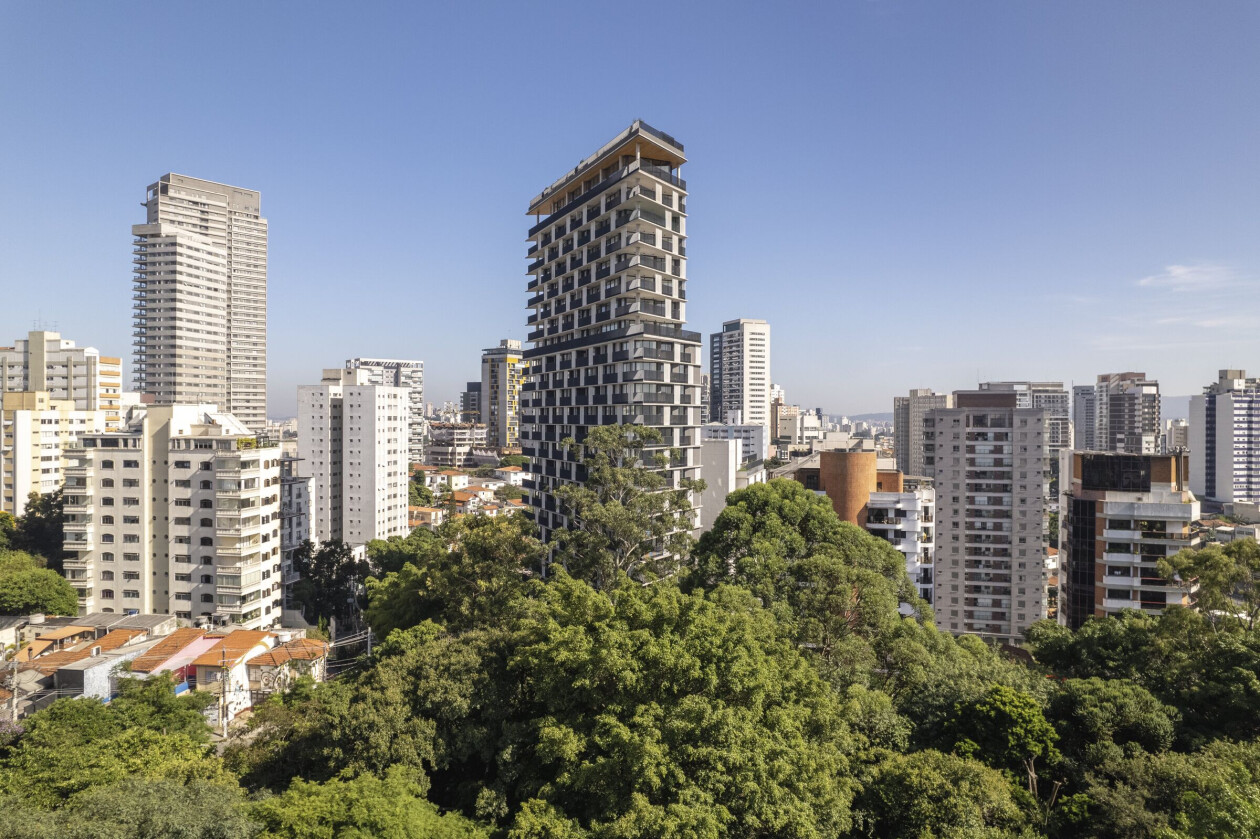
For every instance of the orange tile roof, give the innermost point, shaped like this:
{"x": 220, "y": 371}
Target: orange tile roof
{"x": 452, "y": 472}
{"x": 420, "y": 467}
{"x": 299, "y": 649}
{"x": 164, "y": 649}
{"x": 117, "y": 638}
{"x": 49, "y": 664}
{"x": 478, "y": 488}
{"x": 460, "y": 495}
{"x": 509, "y": 469}
{"x": 425, "y": 509}
{"x": 234, "y": 646}
{"x": 516, "y": 502}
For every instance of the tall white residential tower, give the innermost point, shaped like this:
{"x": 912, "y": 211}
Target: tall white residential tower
{"x": 739, "y": 373}
{"x": 352, "y": 444}
{"x": 200, "y": 292}
{"x": 389, "y": 372}
{"x": 1225, "y": 439}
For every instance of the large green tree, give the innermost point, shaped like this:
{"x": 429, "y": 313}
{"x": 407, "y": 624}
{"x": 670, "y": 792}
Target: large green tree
{"x": 26, "y": 586}
{"x": 331, "y": 582}
{"x": 391, "y": 806}
{"x": 628, "y": 518}
{"x": 1224, "y": 581}
{"x": 462, "y": 578}
{"x": 40, "y": 529}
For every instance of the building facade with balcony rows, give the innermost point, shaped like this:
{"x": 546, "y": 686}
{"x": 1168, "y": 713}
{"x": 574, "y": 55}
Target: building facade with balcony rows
{"x": 607, "y": 305}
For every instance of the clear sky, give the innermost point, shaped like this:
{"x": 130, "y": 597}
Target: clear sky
{"x": 913, "y": 194}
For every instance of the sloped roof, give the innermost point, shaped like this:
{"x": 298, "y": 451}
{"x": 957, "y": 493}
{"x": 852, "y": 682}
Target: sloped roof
{"x": 233, "y": 648}
{"x": 164, "y": 649}
{"x": 299, "y": 649}
{"x": 48, "y": 664}
{"x": 117, "y": 638}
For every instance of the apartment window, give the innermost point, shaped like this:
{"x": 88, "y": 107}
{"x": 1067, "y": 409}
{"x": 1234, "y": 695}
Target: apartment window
{"x": 207, "y": 598}
{"x": 206, "y": 464}
{"x": 183, "y": 502}
{"x": 107, "y": 464}
{"x": 206, "y": 504}
{"x": 131, "y": 482}
{"x": 131, "y": 594}
{"x": 206, "y": 578}
{"x": 107, "y": 593}
{"x": 107, "y": 537}
{"x": 183, "y": 595}
{"x": 107, "y": 502}
{"x": 207, "y": 523}
{"x": 107, "y": 482}
{"x": 183, "y": 464}
{"x": 131, "y": 519}
{"x": 131, "y": 557}
{"x": 107, "y": 519}
{"x": 131, "y": 538}
{"x": 131, "y": 502}
{"x": 183, "y": 483}
{"x": 183, "y": 578}
{"x": 107, "y": 557}
{"x": 131, "y": 464}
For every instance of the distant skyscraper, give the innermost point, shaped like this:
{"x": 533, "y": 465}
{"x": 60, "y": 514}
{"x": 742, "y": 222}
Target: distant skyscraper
{"x": 1085, "y": 418}
{"x": 201, "y": 297}
{"x": 1225, "y": 439}
{"x": 990, "y": 577}
{"x": 1127, "y": 406}
{"x": 470, "y": 403}
{"x": 909, "y": 413}
{"x": 502, "y": 374}
{"x": 1052, "y": 397}
{"x": 389, "y": 372}
{"x": 739, "y": 373}
{"x": 609, "y": 279}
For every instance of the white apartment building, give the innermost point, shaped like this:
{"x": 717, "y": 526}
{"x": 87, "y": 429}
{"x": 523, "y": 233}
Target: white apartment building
{"x": 609, "y": 291}
{"x": 724, "y": 470}
{"x": 1225, "y": 439}
{"x": 990, "y": 577}
{"x": 754, "y": 440}
{"x": 502, "y": 374}
{"x": 389, "y": 372}
{"x": 177, "y": 514}
{"x": 353, "y": 445}
{"x": 35, "y": 433}
{"x": 200, "y": 292}
{"x": 1122, "y": 514}
{"x": 906, "y": 520}
{"x": 909, "y": 413}
{"x": 295, "y": 517}
{"x": 739, "y": 372}
{"x": 44, "y": 361}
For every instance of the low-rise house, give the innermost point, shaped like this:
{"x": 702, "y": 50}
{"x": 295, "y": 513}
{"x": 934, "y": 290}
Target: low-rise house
{"x": 485, "y": 493}
{"x": 452, "y": 478}
{"x": 281, "y": 666}
{"x": 513, "y": 475}
{"x": 429, "y": 517}
{"x": 223, "y": 671}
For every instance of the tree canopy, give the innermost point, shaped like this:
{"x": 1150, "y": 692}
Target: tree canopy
{"x": 769, "y": 682}
{"x": 26, "y": 587}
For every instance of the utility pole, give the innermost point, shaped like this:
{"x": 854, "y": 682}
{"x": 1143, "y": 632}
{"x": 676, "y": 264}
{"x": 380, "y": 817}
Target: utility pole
{"x": 223, "y": 689}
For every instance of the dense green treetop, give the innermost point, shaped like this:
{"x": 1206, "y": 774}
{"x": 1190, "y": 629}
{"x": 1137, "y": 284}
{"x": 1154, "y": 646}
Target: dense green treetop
{"x": 26, "y": 586}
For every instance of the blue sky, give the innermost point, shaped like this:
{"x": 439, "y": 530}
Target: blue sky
{"x": 913, "y": 194}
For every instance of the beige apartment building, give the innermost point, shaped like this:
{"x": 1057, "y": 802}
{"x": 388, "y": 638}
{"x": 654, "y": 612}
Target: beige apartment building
{"x": 44, "y": 361}
{"x": 35, "y": 433}
{"x": 200, "y": 292}
{"x": 177, "y": 514}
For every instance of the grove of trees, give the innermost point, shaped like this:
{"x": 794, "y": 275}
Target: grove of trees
{"x": 761, "y": 682}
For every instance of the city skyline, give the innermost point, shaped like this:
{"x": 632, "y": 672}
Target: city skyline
{"x": 1104, "y": 195}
